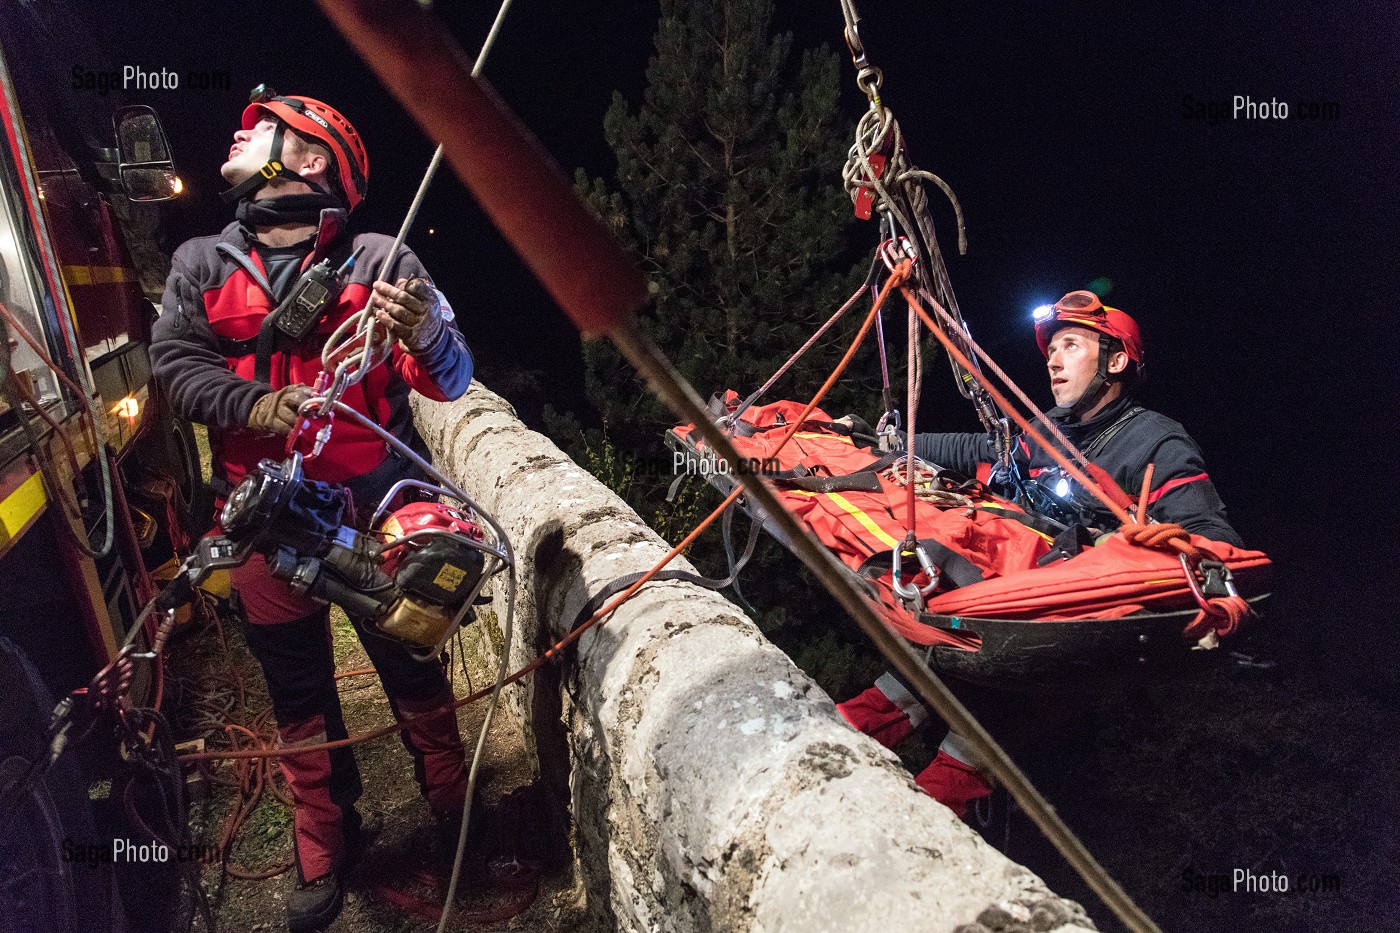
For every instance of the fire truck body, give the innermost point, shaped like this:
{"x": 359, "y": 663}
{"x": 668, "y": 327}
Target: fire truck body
{"x": 74, "y": 172}
{"x": 69, "y": 280}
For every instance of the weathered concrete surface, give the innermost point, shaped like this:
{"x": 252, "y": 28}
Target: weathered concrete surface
{"x": 712, "y": 784}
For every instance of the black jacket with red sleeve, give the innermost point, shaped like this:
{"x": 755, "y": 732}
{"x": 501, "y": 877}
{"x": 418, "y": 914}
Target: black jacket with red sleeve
{"x": 1122, "y": 439}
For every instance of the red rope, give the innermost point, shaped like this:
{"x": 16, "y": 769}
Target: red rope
{"x": 1099, "y": 487}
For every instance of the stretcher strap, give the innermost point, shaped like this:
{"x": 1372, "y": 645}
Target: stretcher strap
{"x": 953, "y": 567}
{"x": 685, "y": 576}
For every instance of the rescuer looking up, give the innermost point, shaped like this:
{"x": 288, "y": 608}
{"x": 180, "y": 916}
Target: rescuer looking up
{"x": 1096, "y": 359}
{"x": 298, "y": 168}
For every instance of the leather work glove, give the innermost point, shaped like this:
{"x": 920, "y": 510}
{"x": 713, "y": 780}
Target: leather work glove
{"x": 410, "y": 309}
{"x": 277, "y": 410}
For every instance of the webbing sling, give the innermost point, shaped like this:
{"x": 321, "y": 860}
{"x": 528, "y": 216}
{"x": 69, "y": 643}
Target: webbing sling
{"x": 271, "y": 340}
{"x": 1096, "y": 446}
{"x": 953, "y": 567}
{"x": 1037, "y": 523}
{"x": 736, "y": 563}
{"x": 1072, "y": 504}
{"x": 740, "y": 428}
{"x": 623, "y": 582}
{"x": 266, "y": 342}
{"x": 866, "y": 479}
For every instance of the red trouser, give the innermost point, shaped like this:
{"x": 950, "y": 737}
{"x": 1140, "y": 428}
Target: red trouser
{"x": 290, "y": 636}
{"x": 889, "y": 713}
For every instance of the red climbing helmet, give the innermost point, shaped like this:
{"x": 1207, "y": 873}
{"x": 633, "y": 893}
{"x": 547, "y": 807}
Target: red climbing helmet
{"x": 312, "y": 118}
{"x": 1086, "y": 310}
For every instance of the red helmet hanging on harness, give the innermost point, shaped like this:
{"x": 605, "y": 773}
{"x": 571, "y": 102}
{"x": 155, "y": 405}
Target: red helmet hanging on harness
{"x": 313, "y": 119}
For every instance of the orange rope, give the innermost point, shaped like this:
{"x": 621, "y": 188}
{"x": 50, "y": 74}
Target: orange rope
{"x": 1006, "y": 380}
{"x": 1144, "y": 496}
{"x": 253, "y": 778}
{"x": 1221, "y": 614}
{"x": 1113, "y": 501}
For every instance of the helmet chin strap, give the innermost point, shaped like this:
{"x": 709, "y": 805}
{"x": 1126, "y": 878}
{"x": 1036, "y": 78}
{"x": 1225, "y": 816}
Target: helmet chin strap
{"x": 1092, "y": 393}
{"x": 272, "y": 168}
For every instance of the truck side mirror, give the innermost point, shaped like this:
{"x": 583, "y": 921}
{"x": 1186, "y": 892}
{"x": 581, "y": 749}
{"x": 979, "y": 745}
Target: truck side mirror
{"x": 145, "y": 168}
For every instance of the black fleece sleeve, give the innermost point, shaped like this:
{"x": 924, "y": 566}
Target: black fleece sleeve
{"x": 960, "y": 452}
{"x": 1185, "y": 494}
{"x": 185, "y": 357}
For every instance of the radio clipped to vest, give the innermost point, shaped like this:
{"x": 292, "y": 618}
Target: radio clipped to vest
{"x": 296, "y": 317}
{"x": 314, "y": 292}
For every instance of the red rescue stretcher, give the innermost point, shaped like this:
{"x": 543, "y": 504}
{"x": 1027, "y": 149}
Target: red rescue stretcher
{"x": 990, "y": 613}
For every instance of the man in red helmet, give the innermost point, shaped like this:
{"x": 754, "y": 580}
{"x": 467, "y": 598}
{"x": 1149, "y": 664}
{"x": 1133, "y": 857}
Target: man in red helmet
{"x": 298, "y": 168}
{"x": 1095, "y": 358}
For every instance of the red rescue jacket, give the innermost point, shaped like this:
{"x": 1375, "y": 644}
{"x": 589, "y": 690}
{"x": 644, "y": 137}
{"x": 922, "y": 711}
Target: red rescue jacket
{"x": 203, "y": 352}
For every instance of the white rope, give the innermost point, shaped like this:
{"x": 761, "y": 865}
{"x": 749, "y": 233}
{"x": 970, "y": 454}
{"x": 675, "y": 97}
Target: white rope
{"x": 503, "y": 667}
{"x": 354, "y": 365}
{"x": 878, "y": 132}
{"x": 362, "y": 328}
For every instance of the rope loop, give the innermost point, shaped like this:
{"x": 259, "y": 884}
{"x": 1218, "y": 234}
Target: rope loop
{"x": 869, "y": 79}
{"x": 1162, "y": 536}
{"x": 1222, "y": 611}
{"x": 1220, "y": 616}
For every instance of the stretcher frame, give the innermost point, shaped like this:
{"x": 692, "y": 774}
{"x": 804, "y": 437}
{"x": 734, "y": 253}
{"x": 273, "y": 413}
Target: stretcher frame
{"x": 1017, "y": 654}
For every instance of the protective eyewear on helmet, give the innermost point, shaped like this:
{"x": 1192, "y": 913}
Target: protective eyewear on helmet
{"x": 262, "y": 94}
{"x": 1080, "y": 304}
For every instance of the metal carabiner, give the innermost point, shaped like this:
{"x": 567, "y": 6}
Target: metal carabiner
{"x": 1216, "y": 581}
{"x": 911, "y": 593}
{"x": 854, "y": 46}
{"x": 868, "y": 79}
{"x": 162, "y": 634}
{"x": 893, "y": 252}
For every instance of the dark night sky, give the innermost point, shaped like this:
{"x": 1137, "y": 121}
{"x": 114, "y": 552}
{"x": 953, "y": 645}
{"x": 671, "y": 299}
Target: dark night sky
{"x": 1256, "y": 254}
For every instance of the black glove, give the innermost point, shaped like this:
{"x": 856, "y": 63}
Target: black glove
{"x": 857, "y": 429}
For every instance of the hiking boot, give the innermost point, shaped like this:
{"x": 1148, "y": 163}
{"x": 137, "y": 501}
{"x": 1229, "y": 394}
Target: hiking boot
{"x": 312, "y": 906}
{"x": 952, "y": 783}
{"x": 447, "y": 827}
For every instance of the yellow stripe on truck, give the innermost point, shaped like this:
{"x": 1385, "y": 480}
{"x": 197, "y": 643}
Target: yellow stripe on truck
{"x": 20, "y": 507}
{"x": 96, "y": 275}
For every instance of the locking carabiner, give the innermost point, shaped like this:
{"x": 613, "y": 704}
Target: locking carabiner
{"x": 911, "y": 594}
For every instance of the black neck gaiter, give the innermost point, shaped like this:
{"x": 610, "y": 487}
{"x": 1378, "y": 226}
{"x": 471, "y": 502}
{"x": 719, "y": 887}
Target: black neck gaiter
{"x": 285, "y": 209}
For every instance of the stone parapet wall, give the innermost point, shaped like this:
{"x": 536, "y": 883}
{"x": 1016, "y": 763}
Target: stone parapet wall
{"x": 712, "y": 785}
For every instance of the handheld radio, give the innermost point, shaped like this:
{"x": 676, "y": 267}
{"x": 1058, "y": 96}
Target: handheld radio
{"x": 303, "y": 309}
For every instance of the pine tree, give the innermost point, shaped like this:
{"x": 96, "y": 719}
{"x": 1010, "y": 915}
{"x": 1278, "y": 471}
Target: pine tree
{"x": 728, "y": 188}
